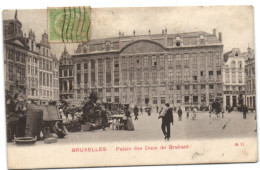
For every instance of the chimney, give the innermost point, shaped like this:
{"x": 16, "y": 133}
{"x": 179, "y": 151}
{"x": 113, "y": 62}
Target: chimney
{"x": 162, "y": 31}
{"x": 220, "y": 36}
{"x": 134, "y": 32}
{"x": 165, "y": 31}
{"x": 119, "y": 34}
{"x": 214, "y": 31}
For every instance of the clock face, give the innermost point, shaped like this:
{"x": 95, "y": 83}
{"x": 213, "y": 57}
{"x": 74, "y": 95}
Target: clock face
{"x": 178, "y": 44}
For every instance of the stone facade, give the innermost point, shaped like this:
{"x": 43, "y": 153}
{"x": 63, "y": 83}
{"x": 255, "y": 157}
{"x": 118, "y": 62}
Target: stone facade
{"x": 234, "y": 79}
{"x": 181, "y": 69}
{"x": 66, "y": 76}
{"x": 29, "y": 67}
{"x": 250, "y": 79}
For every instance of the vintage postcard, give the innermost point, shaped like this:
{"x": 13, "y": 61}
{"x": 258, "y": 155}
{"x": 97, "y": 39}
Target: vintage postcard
{"x": 91, "y": 87}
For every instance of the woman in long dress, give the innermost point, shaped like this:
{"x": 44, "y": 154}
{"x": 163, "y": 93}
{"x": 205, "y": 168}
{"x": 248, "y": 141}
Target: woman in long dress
{"x": 129, "y": 122}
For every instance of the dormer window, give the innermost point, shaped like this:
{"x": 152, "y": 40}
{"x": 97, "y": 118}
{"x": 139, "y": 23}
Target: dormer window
{"x": 236, "y": 54}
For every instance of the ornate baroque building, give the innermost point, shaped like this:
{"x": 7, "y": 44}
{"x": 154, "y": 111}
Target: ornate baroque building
{"x": 15, "y": 53}
{"x": 30, "y": 68}
{"x": 181, "y": 69}
{"x": 234, "y": 78}
{"x": 66, "y": 76}
{"x": 250, "y": 79}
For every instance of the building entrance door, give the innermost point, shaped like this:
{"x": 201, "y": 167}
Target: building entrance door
{"x": 234, "y": 100}
{"x": 227, "y": 100}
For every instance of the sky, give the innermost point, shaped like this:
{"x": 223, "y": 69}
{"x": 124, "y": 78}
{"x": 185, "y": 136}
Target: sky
{"x": 235, "y": 22}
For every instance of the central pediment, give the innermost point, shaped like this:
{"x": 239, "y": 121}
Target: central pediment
{"x": 142, "y": 46}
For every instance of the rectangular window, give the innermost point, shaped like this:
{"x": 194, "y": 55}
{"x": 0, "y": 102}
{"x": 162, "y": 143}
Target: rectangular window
{"x": 100, "y": 78}
{"x": 195, "y": 87}
{"x": 154, "y": 61}
{"x": 170, "y": 61}
{"x": 210, "y": 59}
{"x": 202, "y": 59}
{"x": 195, "y": 99}
{"x": 100, "y": 65}
{"x": 92, "y": 63}
{"x": 131, "y": 75}
{"x": 233, "y": 77}
{"x": 178, "y": 60}
{"x": 203, "y": 86}
{"x": 195, "y": 78}
{"x": 78, "y": 78}
{"x": 154, "y": 75}
{"x": 65, "y": 73}
{"x": 70, "y": 72}
{"x": 146, "y": 75}
{"x": 203, "y": 98}
{"x": 162, "y": 90}
{"x": 146, "y": 63}
{"x": 50, "y": 80}
{"x": 170, "y": 74}
{"x": 186, "y": 73}
{"x": 178, "y": 87}
{"x": 240, "y": 80}
{"x": 44, "y": 78}
{"x": 116, "y": 89}
{"x": 85, "y": 66}
{"x": 210, "y": 73}
{"x": 40, "y": 78}
{"x": 162, "y": 75}
{"x": 211, "y": 97}
{"x": 219, "y": 72}
{"x": 85, "y": 78}
{"x": 162, "y": 61}
{"x": 78, "y": 66}
{"x": 108, "y": 77}
{"x": 186, "y": 60}
{"x": 186, "y": 99}
{"x": 179, "y": 100}
{"x": 93, "y": 80}
{"x": 194, "y": 60}
{"x": 10, "y": 72}
{"x": 187, "y": 87}
{"x": 211, "y": 86}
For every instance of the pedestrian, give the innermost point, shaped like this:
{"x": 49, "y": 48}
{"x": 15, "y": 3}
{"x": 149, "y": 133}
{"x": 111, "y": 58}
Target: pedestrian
{"x": 129, "y": 123}
{"x": 141, "y": 109}
{"x": 157, "y": 109}
{"x": 179, "y": 114}
{"x": 167, "y": 118}
{"x": 187, "y": 113}
{"x": 245, "y": 110}
{"x": 104, "y": 119}
{"x": 136, "y": 110}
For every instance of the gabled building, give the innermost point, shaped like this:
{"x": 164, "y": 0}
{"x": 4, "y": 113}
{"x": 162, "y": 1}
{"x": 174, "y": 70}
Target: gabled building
{"x": 250, "y": 79}
{"x": 15, "y": 54}
{"x": 234, "y": 79}
{"x": 66, "y": 76}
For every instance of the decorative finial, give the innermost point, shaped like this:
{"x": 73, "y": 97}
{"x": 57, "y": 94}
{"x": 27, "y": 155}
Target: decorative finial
{"x": 15, "y": 15}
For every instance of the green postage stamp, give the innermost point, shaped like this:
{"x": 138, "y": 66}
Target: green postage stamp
{"x": 69, "y": 24}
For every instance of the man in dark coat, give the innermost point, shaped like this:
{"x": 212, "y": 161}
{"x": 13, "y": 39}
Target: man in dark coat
{"x": 104, "y": 119}
{"x": 180, "y": 114}
{"x": 136, "y": 110}
{"x": 166, "y": 120}
{"x": 245, "y": 110}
